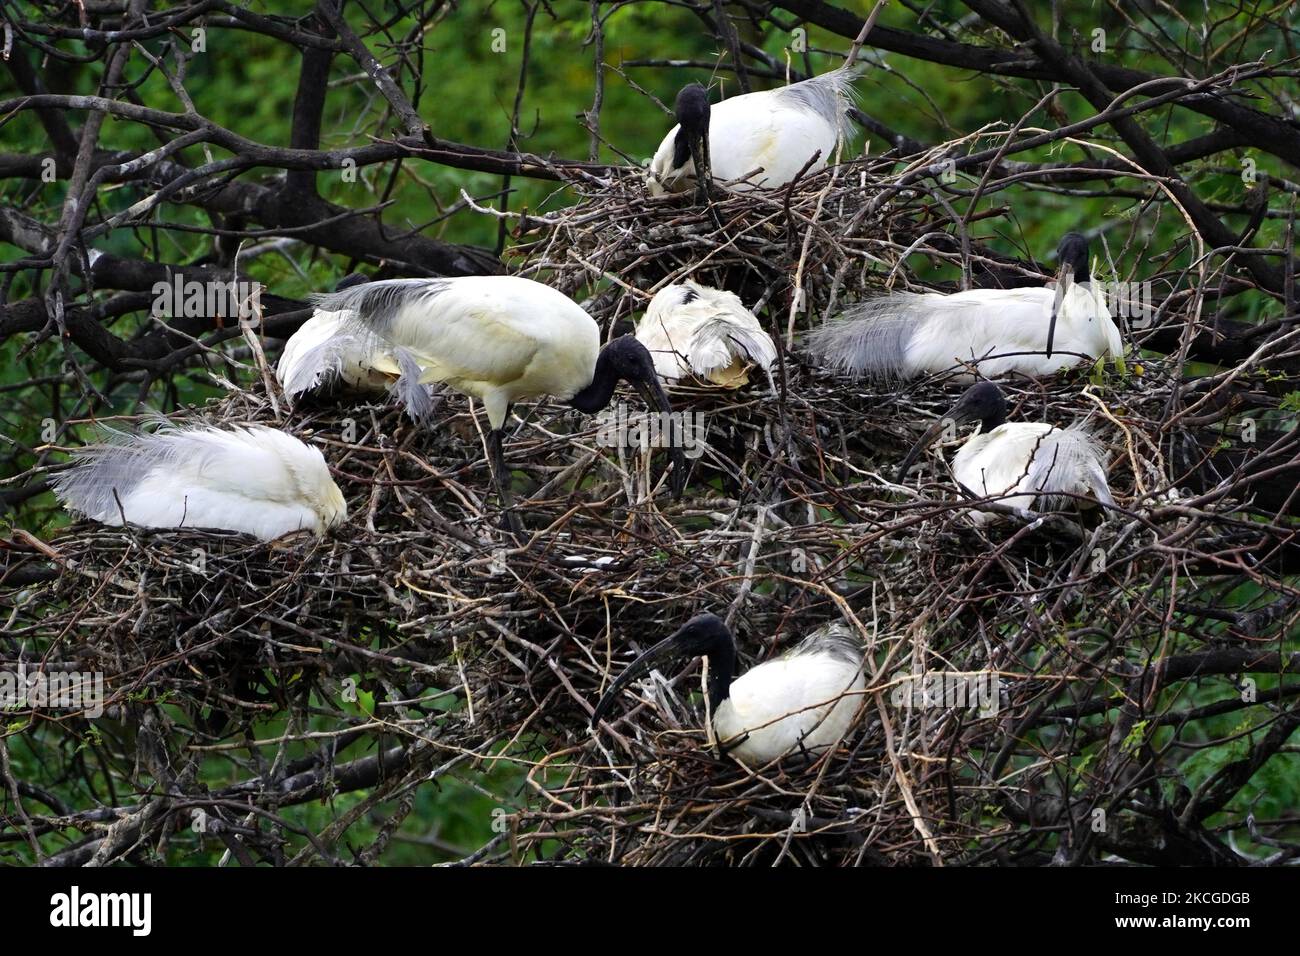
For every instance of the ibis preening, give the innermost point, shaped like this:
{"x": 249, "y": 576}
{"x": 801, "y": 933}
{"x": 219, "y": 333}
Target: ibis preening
{"x": 1034, "y": 331}
{"x": 499, "y": 339}
{"x": 801, "y": 701}
{"x": 771, "y": 135}
{"x": 252, "y": 479}
{"x": 1032, "y": 466}
{"x": 693, "y": 331}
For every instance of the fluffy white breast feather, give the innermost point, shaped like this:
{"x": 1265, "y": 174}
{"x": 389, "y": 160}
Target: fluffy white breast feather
{"x": 252, "y": 479}
{"x": 778, "y": 130}
{"x": 909, "y": 334}
{"x": 497, "y": 338}
{"x": 1023, "y": 460}
{"x": 805, "y": 699}
{"x": 691, "y": 329}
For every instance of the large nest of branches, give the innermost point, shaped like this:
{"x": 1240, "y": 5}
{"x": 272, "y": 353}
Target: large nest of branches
{"x": 418, "y": 644}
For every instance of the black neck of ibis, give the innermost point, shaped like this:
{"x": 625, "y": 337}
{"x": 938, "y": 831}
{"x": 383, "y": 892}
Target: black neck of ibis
{"x": 718, "y": 646}
{"x": 1073, "y": 252}
{"x": 628, "y": 360}
{"x": 704, "y": 635}
{"x": 624, "y": 359}
{"x": 692, "y": 109}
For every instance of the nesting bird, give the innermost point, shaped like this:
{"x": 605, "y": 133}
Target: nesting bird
{"x": 755, "y": 139}
{"x": 1032, "y": 466}
{"x": 251, "y": 479}
{"x": 695, "y": 331}
{"x": 993, "y": 331}
{"x": 804, "y": 700}
{"x": 500, "y": 339}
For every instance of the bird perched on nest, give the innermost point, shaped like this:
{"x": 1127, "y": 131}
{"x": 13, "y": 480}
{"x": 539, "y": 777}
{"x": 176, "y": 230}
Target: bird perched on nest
{"x": 771, "y": 134}
{"x": 695, "y": 331}
{"x": 908, "y": 334}
{"x": 500, "y": 339}
{"x": 252, "y": 479}
{"x": 804, "y": 700}
{"x": 1032, "y": 466}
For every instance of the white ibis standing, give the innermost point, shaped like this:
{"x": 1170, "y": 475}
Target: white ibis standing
{"x": 771, "y": 135}
{"x": 907, "y": 334}
{"x": 695, "y": 331}
{"x": 252, "y": 479}
{"x": 804, "y": 700}
{"x": 500, "y": 339}
{"x": 1032, "y": 466}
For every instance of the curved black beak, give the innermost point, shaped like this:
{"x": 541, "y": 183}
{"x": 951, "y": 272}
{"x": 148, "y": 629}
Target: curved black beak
{"x": 925, "y": 442}
{"x": 637, "y": 669}
{"x": 653, "y": 394}
{"x": 1064, "y": 279}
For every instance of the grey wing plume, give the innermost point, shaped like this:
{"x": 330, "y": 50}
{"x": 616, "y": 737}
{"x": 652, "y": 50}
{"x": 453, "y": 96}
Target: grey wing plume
{"x": 372, "y": 307}
{"x": 104, "y": 473}
{"x": 871, "y": 337}
{"x": 835, "y": 639}
{"x": 321, "y": 364}
{"x": 753, "y": 344}
{"x": 830, "y": 96}
{"x": 1067, "y": 465}
{"x": 377, "y": 304}
{"x": 416, "y": 397}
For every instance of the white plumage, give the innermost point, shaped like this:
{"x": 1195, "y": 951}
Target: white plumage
{"x": 302, "y": 367}
{"x": 991, "y": 331}
{"x": 1033, "y": 466}
{"x": 693, "y": 330}
{"x": 907, "y": 335}
{"x": 252, "y": 479}
{"x": 804, "y": 700}
{"x": 500, "y": 339}
{"x": 775, "y": 130}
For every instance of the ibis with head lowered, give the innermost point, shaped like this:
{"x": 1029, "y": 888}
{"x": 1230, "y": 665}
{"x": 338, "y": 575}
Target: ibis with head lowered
{"x": 1031, "y": 466}
{"x": 500, "y": 339}
{"x": 803, "y": 701}
{"x": 693, "y": 331}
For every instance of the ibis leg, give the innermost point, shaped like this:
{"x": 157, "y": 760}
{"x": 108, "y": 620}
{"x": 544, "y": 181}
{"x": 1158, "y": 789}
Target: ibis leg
{"x": 510, "y": 520}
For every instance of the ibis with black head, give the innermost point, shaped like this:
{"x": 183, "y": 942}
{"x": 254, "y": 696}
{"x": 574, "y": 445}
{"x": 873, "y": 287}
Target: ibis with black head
{"x": 500, "y": 339}
{"x": 1036, "y": 331}
{"x": 772, "y": 134}
{"x": 803, "y": 701}
{"x": 1030, "y": 466}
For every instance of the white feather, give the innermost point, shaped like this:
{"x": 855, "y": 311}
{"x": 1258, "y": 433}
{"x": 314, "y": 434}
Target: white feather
{"x": 497, "y": 338}
{"x": 1031, "y": 466}
{"x": 691, "y": 329}
{"x": 324, "y": 348}
{"x": 803, "y": 700}
{"x": 778, "y": 130}
{"x": 998, "y": 330}
{"x": 251, "y": 479}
